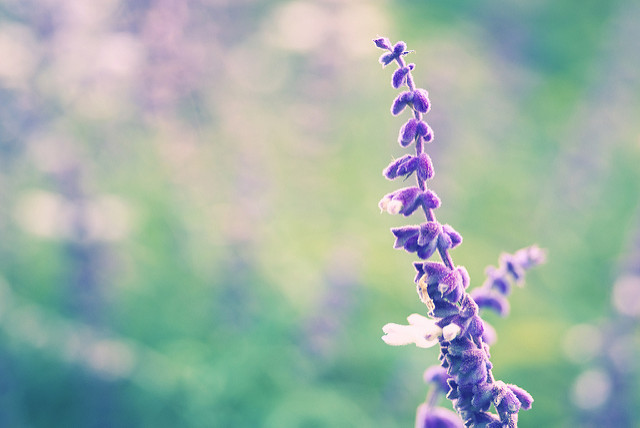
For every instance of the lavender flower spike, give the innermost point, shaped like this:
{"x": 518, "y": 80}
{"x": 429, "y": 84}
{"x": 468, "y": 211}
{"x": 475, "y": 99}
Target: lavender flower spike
{"x": 453, "y": 315}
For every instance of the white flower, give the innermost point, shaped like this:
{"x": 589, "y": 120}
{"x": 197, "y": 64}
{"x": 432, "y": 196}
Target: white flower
{"x": 390, "y": 205}
{"x": 450, "y": 332}
{"x": 421, "y": 330}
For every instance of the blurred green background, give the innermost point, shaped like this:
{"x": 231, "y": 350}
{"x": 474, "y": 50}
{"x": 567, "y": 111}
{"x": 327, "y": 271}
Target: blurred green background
{"x": 189, "y": 231}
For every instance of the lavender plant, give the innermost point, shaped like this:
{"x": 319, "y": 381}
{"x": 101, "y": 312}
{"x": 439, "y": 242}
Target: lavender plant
{"x": 464, "y": 374}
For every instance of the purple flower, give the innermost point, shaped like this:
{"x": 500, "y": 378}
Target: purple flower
{"x": 453, "y": 321}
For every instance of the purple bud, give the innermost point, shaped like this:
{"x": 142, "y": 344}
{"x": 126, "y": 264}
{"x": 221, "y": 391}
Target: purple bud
{"x": 504, "y": 398}
{"x": 424, "y": 167}
{"x": 382, "y": 43}
{"x": 423, "y": 129}
{"x": 401, "y": 102}
{"x": 407, "y": 167}
{"x": 386, "y": 59}
{"x": 485, "y": 298}
{"x": 526, "y": 400}
{"x": 408, "y": 132}
{"x": 436, "y": 417}
{"x": 421, "y": 100}
{"x": 403, "y": 166}
{"x": 399, "y": 48}
{"x": 431, "y": 200}
{"x": 509, "y": 262}
{"x": 399, "y": 76}
{"x": 438, "y": 376}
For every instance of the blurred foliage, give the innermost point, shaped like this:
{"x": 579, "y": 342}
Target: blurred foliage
{"x": 188, "y": 190}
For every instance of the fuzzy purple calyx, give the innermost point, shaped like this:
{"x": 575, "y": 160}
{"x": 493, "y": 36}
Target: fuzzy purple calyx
{"x": 405, "y": 201}
{"x": 421, "y": 100}
{"x": 424, "y": 167}
{"x": 403, "y": 167}
{"x": 400, "y": 102}
{"x": 396, "y": 51}
{"x": 383, "y": 43}
{"x": 412, "y": 129}
{"x": 399, "y": 76}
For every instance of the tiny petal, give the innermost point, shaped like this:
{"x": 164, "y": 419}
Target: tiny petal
{"x": 421, "y": 100}
{"x": 382, "y": 43}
